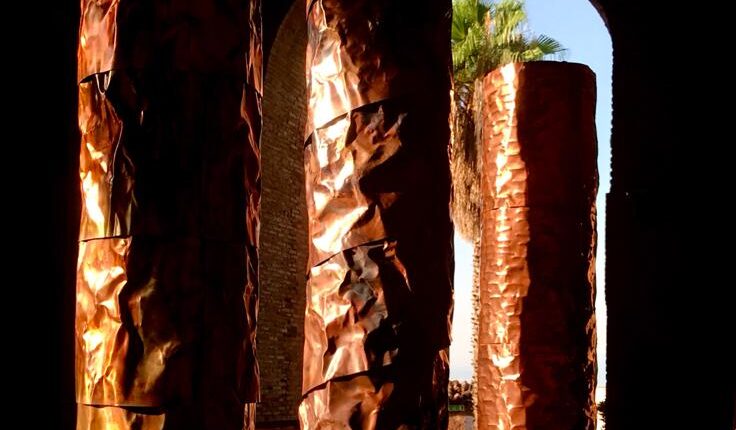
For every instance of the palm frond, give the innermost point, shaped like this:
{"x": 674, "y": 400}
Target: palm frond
{"x": 507, "y": 17}
{"x": 548, "y": 46}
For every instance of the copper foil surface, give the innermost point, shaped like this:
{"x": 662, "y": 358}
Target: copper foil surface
{"x": 167, "y": 281}
{"x": 536, "y": 364}
{"x": 380, "y": 268}
{"x": 111, "y": 417}
{"x": 363, "y": 51}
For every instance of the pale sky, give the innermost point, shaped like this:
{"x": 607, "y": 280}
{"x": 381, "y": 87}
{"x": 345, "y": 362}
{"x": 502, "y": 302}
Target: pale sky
{"x": 580, "y": 29}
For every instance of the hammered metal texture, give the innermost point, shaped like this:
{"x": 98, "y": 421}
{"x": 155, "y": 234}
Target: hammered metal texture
{"x": 379, "y": 288}
{"x": 535, "y": 359}
{"x": 167, "y": 285}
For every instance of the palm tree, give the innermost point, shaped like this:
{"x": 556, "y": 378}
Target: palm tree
{"x": 484, "y": 37}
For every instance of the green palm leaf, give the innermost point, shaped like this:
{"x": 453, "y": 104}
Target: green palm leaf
{"x": 488, "y": 35}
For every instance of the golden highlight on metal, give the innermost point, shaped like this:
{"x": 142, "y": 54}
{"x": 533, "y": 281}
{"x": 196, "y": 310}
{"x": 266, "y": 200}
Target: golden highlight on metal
{"x": 167, "y": 274}
{"x": 379, "y": 288}
{"x": 535, "y": 362}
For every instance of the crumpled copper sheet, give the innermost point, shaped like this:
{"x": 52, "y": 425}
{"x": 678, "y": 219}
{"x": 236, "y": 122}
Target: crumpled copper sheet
{"x": 153, "y": 313}
{"x": 379, "y": 289}
{"x": 410, "y": 394}
{"x": 347, "y": 303}
{"x": 167, "y": 286}
{"x": 111, "y": 417}
{"x": 105, "y": 213}
{"x": 536, "y": 363}
{"x": 362, "y": 51}
{"x": 203, "y": 37}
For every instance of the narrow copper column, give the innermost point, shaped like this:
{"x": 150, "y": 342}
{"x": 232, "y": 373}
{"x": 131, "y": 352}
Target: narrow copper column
{"x": 379, "y": 288}
{"x": 536, "y": 363}
{"x": 167, "y": 283}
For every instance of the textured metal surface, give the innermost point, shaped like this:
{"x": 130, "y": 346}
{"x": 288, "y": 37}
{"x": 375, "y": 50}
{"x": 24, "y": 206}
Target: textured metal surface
{"x": 384, "y": 398}
{"x": 111, "y": 417}
{"x": 379, "y": 289}
{"x": 167, "y": 285}
{"x": 363, "y": 51}
{"x": 104, "y": 213}
{"x": 186, "y": 36}
{"x": 536, "y": 363}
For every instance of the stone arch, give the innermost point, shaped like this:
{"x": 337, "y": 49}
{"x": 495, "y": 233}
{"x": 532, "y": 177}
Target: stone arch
{"x": 650, "y": 370}
{"x": 283, "y": 229}
{"x": 648, "y": 149}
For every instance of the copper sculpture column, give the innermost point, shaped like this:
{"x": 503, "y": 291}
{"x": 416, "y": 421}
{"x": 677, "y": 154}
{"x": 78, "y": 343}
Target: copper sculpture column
{"x": 167, "y": 283}
{"x": 379, "y": 288}
{"x": 535, "y": 359}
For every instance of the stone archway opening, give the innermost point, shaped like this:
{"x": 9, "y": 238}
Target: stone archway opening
{"x": 648, "y": 333}
{"x": 283, "y": 232}
{"x": 581, "y": 28}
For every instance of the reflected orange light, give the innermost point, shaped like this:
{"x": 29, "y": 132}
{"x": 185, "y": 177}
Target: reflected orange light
{"x": 534, "y": 229}
{"x": 380, "y": 234}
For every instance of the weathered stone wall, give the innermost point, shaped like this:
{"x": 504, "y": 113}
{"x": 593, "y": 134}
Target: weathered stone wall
{"x": 284, "y": 226}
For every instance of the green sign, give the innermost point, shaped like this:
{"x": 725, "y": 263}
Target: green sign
{"x": 456, "y": 408}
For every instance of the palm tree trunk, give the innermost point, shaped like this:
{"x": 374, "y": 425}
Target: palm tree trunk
{"x": 167, "y": 282}
{"x": 379, "y": 288}
{"x": 476, "y": 318}
{"x": 536, "y": 334}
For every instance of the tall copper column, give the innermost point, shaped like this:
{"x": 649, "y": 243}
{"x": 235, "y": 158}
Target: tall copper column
{"x": 167, "y": 284}
{"x": 535, "y": 362}
{"x": 379, "y": 288}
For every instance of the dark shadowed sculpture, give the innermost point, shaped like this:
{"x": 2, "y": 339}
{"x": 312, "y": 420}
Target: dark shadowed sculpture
{"x": 167, "y": 283}
{"x": 379, "y": 288}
